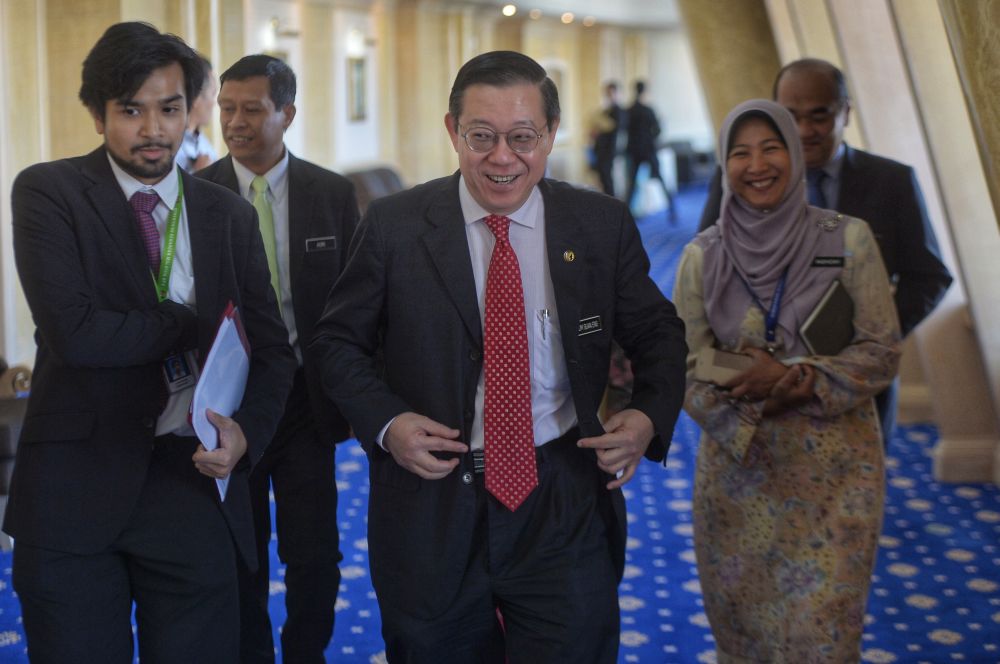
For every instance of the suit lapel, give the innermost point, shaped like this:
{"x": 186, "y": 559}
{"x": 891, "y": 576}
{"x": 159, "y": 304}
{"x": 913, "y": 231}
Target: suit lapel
{"x": 567, "y": 254}
{"x": 205, "y": 231}
{"x": 116, "y": 215}
{"x": 448, "y": 248}
{"x": 225, "y": 175}
{"x": 849, "y": 184}
{"x": 301, "y": 200}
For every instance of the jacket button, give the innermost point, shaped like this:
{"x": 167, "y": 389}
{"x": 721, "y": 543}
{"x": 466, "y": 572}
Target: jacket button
{"x": 148, "y": 422}
{"x": 474, "y": 355}
{"x": 467, "y": 478}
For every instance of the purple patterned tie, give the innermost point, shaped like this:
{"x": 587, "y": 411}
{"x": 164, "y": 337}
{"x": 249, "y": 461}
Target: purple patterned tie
{"x": 143, "y": 203}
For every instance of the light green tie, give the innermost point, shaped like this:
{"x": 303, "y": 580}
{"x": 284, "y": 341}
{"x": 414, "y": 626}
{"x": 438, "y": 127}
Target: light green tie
{"x": 259, "y": 186}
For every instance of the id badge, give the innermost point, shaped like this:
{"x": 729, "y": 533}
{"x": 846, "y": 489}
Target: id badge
{"x": 180, "y": 371}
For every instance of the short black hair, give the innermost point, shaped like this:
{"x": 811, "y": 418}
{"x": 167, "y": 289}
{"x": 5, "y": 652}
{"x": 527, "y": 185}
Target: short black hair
{"x": 818, "y": 66}
{"x": 503, "y": 69}
{"x": 640, "y": 87}
{"x": 278, "y": 74}
{"x": 125, "y": 56}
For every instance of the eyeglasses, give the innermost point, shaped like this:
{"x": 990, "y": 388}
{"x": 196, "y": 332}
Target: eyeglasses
{"x": 484, "y": 139}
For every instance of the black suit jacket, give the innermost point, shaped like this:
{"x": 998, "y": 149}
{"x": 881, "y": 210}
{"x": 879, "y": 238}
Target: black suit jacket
{"x": 643, "y": 130}
{"x": 322, "y": 216}
{"x": 885, "y": 193}
{"x": 97, "y": 387}
{"x": 402, "y": 332}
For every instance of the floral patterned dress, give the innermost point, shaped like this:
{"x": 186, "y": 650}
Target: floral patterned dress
{"x": 788, "y": 508}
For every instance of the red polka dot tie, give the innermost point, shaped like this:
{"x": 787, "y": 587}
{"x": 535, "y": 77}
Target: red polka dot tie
{"x": 509, "y": 439}
{"x": 143, "y": 203}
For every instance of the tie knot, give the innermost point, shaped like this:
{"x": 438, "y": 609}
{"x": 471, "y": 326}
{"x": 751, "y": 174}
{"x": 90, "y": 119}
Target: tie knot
{"x": 259, "y": 184}
{"x": 144, "y": 201}
{"x": 499, "y": 226}
{"x": 815, "y": 176}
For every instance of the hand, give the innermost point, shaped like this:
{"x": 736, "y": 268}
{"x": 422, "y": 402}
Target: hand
{"x": 792, "y": 390}
{"x": 756, "y": 383}
{"x": 620, "y": 450}
{"x": 411, "y": 438}
{"x": 232, "y": 446}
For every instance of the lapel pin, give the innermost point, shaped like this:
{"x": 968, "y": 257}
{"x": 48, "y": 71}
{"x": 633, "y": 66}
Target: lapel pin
{"x": 569, "y": 256}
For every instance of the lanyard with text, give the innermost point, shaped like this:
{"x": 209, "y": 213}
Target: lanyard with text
{"x": 771, "y": 313}
{"x": 162, "y": 281}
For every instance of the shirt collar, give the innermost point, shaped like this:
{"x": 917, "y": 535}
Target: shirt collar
{"x": 526, "y": 215}
{"x": 166, "y": 188}
{"x": 277, "y": 177}
{"x": 832, "y": 167}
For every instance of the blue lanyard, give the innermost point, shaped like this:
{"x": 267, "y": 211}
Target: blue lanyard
{"x": 771, "y": 313}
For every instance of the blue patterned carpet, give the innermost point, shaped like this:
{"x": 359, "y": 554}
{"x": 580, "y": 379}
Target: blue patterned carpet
{"x": 936, "y": 591}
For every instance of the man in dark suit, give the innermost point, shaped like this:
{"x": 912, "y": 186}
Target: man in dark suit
{"x": 883, "y": 192}
{"x": 495, "y": 487}
{"x": 607, "y": 125}
{"x": 113, "y": 501}
{"x": 643, "y": 132}
{"x": 314, "y": 212}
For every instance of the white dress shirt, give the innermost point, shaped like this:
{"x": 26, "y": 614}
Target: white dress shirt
{"x": 552, "y": 409}
{"x": 277, "y": 196}
{"x": 174, "y": 418}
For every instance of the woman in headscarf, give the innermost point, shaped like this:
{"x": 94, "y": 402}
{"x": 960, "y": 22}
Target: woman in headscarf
{"x": 790, "y": 478}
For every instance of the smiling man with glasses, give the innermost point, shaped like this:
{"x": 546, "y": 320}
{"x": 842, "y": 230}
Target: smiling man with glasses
{"x": 468, "y": 343}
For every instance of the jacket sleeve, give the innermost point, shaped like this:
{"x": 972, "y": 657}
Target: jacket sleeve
{"x": 923, "y": 277}
{"x": 347, "y": 336}
{"x": 66, "y": 309}
{"x": 651, "y": 334}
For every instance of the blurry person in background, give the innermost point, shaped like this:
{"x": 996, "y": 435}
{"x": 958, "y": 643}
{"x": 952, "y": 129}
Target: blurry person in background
{"x": 196, "y": 151}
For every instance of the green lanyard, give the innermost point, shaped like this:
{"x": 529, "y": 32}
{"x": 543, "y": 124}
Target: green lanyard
{"x": 170, "y": 243}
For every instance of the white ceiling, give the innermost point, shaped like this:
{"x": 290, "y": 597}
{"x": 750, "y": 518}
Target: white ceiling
{"x": 650, "y": 13}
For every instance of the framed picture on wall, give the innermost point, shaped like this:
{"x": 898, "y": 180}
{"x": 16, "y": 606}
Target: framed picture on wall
{"x": 356, "y": 89}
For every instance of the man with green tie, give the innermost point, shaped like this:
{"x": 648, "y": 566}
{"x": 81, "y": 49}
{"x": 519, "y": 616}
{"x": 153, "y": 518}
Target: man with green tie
{"x": 307, "y": 217}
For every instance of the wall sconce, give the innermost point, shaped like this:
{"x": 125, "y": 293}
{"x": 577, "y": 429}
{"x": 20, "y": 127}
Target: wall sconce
{"x": 279, "y": 31}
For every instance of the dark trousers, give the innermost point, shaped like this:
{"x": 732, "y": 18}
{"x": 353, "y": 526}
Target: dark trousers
{"x": 176, "y": 562}
{"x": 299, "y": 465}
{"x": 604, "y": 164}
{"x": 546, "y": 570}
{"x": 634, "y": 162}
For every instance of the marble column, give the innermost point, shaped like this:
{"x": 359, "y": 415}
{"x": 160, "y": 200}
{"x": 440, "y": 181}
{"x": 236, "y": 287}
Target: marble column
{"x": 734, "y": 51}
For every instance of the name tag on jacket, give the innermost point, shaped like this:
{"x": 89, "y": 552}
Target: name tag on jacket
{"x": 589, "y": 325}
{"x": 828, "y": 261}
{"x": 328, "y": 243}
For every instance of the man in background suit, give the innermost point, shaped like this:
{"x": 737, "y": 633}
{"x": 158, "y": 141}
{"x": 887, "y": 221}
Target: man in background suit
{"x": 883, "y": 192}
{"x": 314, "y": 213}
{"x": 113, "y": 500}
{"x": 495, "y": 486}
{"x": 606, "y": 125}
{"x": 643, "y": 132}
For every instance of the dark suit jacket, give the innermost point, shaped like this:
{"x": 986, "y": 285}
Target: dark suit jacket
{"x": 97, "y": 387}
{"x": 643, "y": 130}
{"x": 321, "y": 204}
{"x": 885, "y": 193}
{"x": 402, "y": 332}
